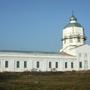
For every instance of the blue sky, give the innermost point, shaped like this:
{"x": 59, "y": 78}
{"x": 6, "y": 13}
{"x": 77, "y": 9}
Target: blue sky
{"x": 37, "y": 25}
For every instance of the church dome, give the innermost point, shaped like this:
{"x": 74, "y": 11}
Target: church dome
{"x": 73, "y": 22}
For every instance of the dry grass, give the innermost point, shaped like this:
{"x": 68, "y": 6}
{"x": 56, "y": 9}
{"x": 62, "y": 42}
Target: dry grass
{"x": 45, "y": 81}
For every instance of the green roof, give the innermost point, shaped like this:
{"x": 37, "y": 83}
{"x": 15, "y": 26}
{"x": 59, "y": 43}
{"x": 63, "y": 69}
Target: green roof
{"x": 73, "y": 25}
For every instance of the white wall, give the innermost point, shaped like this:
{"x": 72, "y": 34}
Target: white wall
{"x": 32, "y": 62}
{"x": 44, "y": 60}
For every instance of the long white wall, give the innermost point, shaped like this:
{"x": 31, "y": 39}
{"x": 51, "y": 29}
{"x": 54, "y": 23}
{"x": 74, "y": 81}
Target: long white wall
{"x": 79, "y": 62}
{"x": 32, "y": 62}
{"x": 43, "y": 60}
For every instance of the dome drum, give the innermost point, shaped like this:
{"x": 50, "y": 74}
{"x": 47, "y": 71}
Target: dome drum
{"x": 74, "y": 36}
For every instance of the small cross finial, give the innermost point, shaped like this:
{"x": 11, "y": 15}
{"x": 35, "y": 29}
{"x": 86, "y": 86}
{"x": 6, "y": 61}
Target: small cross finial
{"x": 72, "y": 12}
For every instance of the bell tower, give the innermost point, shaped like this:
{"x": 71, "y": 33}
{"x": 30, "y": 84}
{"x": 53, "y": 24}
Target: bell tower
{"x": 73, "y": 35}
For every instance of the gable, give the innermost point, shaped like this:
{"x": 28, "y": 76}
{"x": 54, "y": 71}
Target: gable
{"x": 83, "y": 48}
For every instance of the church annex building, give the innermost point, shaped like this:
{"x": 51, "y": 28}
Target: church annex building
{"x": 74, "y": 55}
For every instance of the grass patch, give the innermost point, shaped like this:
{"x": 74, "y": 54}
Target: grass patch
{"x": 45, "y": 80}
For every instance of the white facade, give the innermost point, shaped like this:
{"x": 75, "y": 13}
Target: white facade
{"x": 32, "y": 59}
{"x": 74, "y": 54}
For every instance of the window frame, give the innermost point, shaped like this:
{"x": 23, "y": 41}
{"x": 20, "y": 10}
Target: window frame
{"x": 66, "y": 65}
{"x": 18, "y": 64}
{"x": 56, "y": 64}
{"x": 38, "y": 64}
{"x": 80, "y": 64}
{"x": 50, "y": 65}
{"x": 6, "y": 64}
{"x": 78, "y": 39}
{"x": 25, "y": 64}
{"x": 72, "y": 65}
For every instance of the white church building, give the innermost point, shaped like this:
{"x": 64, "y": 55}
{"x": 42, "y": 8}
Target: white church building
{"x": 74, "y": 55}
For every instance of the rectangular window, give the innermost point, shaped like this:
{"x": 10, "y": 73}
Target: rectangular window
{"x": 25, "y": 64}
{"x": 78, "y": 39}
{"x": 50, "y": 65}
{"x": 18, "y": 64}
{"x": 80, "y": 64}
{"x": 65, "y": 64}
{"x": 37, "y": 64}
{"x": 56, "y": 65}
{"x": 71, "y": 64}
{"x": 6, "y": 64}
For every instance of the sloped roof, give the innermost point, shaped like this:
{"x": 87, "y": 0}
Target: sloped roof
{"x": 33, "y": 52}
{"x": 73, "y": 25}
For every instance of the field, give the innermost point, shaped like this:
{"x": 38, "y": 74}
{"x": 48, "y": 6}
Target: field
{"x": 45, "y": 81}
